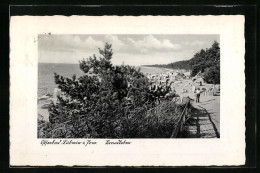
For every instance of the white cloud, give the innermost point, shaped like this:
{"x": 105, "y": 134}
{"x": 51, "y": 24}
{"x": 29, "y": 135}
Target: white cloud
{"x": 133, "y": 50}
{"x": 186, "y": 43}
{"x": 93, "y": 44}
{"x": 194, "y": 43}
{"x": 200, "y": 43}
{"x": 149, "y": 58}
{"x": 76, "y": 43}
{"x": 115, "y": 41}
{"x": 168, "y": 44}
{"x": 68, "y": 43}
{"x": 151, "y": 43}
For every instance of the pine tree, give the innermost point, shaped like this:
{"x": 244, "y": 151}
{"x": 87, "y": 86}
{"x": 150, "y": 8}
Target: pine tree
{"x": 107, "y": 102}
{"x": 94, "y": 104}
{"x": 208, "y": 62}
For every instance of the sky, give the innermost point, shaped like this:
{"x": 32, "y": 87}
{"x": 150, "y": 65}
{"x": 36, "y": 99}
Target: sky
{"x": 129, "y": 49}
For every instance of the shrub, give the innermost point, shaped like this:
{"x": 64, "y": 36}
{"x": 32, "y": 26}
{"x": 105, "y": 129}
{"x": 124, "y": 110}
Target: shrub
{"x": 107, "y": 102}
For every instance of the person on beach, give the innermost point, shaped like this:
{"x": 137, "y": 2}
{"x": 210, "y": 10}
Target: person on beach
{"x": 197, "y": 95}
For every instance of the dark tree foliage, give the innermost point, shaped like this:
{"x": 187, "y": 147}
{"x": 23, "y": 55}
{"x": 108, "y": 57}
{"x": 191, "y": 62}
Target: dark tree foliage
{"x": 180, "y": 65}
{"x": 208, "y": 63}
{"x": 175, "y": 65}
{"x": 211, "y": 74}
{"x": 107, "y": 102}
{"x": 205, "y": 61}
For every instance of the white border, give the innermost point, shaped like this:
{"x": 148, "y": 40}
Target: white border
{"x": 25, "y": 148}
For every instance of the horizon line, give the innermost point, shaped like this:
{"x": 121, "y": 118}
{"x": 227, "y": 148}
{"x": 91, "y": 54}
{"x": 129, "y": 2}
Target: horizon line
{"x": 78, "y": 63}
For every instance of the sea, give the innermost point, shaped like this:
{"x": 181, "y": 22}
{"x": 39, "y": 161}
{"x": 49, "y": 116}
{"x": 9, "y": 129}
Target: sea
{"x": 46, "y": 72}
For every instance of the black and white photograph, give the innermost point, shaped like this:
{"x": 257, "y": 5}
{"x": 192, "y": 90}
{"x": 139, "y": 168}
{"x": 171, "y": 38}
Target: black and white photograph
{"x": 127, "y": 90}
{"x": 128, "y": 86}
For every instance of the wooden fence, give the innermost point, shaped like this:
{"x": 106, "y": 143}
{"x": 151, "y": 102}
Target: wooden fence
{"x": 185, "y": 115}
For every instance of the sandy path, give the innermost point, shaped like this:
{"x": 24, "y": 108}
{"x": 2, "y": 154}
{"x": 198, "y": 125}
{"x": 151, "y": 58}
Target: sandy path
{"x": 211, "y": 104}
{"x": 205, "y": 119}
{"x": 201, "y": 124}
{"x": 43, "y": 113}
{"x": 204, "y": 122}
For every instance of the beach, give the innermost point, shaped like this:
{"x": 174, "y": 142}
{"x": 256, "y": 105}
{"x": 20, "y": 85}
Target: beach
{"x": 46, "y": 85}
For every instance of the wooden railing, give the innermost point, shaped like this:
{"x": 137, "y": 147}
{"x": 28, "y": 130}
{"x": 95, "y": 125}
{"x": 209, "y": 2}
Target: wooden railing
{"x": 185, "y": 115}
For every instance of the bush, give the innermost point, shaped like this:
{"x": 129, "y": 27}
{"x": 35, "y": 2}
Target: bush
{"x": 212, "y": 74}
{"x": 107, "y": 102}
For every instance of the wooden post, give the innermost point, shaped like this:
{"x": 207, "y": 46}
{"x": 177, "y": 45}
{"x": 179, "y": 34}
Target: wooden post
{"x": 179, "y": 126}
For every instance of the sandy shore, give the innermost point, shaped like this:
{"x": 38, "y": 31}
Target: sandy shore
{"x": 43, "y": 113}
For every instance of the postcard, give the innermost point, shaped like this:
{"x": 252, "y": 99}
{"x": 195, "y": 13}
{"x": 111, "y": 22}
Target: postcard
{"x": 127, "y": 91}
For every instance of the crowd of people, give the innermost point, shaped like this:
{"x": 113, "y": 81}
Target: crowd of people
{"x": 164, "y": 86}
